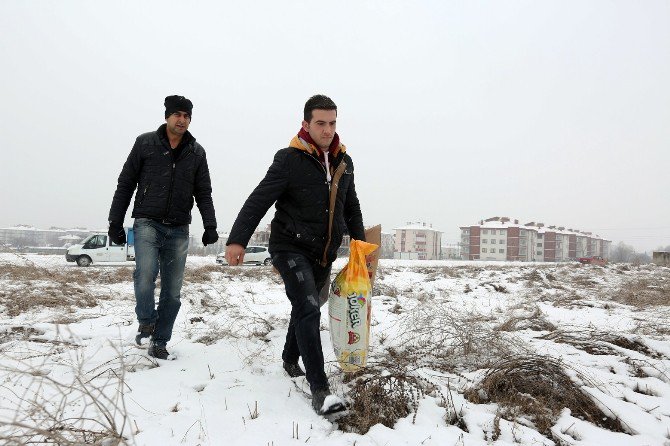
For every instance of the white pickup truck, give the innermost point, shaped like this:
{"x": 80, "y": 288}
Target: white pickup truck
{"x": 98, "y": 247}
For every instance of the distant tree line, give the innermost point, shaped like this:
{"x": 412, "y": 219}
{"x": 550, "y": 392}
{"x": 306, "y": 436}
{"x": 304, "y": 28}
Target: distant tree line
{"x": 623, "y": 253}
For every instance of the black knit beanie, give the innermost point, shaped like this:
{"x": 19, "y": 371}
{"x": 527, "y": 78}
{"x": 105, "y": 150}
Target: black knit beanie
{"x": 178, "y": 103}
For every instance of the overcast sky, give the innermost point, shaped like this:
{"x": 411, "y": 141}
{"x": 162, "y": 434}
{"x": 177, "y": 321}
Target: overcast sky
{"x": 554, "y": 112}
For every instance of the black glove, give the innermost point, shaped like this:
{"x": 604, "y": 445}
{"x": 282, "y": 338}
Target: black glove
{"x": 210, "y": 236}
{"x": 116, "y": 233}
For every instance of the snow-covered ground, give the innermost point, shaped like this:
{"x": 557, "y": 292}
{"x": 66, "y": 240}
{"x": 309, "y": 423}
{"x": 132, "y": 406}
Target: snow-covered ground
{"x": 67, "y": 353}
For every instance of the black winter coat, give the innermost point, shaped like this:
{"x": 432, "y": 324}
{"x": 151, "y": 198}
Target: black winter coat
{"x": 297, "y": 182}
{"x": 165, "y": 186}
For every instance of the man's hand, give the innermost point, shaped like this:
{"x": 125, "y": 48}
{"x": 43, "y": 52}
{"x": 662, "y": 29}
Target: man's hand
{"x": 234, "y": 254}
{"x": 210, "y": 236}
{"x": 116, "y": 233}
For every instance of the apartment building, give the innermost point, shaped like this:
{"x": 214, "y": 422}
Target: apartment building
{"x": 501, "y": 238}
{"x": 418, "y": 241}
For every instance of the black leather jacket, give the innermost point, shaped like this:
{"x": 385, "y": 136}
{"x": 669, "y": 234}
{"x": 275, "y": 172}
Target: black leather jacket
{"x": 165, "y": 186}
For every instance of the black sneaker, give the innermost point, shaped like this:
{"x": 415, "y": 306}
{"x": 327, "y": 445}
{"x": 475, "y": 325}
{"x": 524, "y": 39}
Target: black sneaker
{"x": 159, "y": 352}
{"x": 293, "y": 369}
{"x": 324, "y": 403}
{"x": 144, "y": 332}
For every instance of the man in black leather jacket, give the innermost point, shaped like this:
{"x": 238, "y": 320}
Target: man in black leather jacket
{"x": 312, "y": 184}
{"x": 169, "y": 169}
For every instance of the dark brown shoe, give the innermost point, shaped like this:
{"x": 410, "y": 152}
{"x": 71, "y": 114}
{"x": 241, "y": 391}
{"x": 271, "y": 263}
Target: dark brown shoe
{"x": 144, "y": 332}
{"x": 293, "y": 369}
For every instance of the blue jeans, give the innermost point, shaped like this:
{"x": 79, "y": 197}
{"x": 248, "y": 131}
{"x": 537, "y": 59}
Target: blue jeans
{"x": 163, "y": 248}
{"x": 303, "y": 280}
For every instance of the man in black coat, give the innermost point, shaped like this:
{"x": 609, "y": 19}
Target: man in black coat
{"x": 312, "y": 184}
{"x": 169, "y": 169}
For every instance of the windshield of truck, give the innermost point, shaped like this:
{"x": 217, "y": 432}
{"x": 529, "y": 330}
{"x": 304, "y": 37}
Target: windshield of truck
{"x": 97, "y": 241}
{"x": 83, "y": 242}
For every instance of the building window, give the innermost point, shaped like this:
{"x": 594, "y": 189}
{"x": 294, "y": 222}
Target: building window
{"x": 502, "y": 232}
{"x": 501, "y": 251}
{"x": 493, "y": 241}
{"x": 539, "y": 245}
{"x": 539, "y": 236}
{"x": 484, "y": 240}
{"x": 502, "y": 242}
{"x": 539, "y": 253}
{"x": 483, "y": 249}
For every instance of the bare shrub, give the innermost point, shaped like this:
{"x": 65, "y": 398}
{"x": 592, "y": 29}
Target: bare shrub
{"x": 381, "y": 398}
{"x": 447, "y": 339}
{"x": 233, "y": 320}
{"x": 537, "y": 388}
{"x": 498, "y": 287}
{"x": 84, "y": 410}
{"x": 388, "y": 390}
{"x": 538, "y": 277}
{"x": 531, "y": 320}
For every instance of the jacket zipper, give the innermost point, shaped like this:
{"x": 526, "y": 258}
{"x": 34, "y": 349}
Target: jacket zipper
{"x": 167, "y": 208}
{"x": 169, "y": 203}
{"x": 331, "y": 201}
{"x": 187, "y": 151}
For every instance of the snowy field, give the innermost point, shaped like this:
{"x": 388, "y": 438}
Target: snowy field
{"x": 463, "y": 353}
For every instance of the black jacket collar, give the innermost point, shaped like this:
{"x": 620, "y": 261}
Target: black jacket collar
{"x": 186, "y": 140}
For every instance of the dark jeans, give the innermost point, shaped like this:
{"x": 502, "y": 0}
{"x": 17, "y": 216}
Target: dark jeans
{"x": 163, "y": 248}
{"x": 303, "y": 280}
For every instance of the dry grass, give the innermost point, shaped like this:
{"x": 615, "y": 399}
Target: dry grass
{"x": 653, "y": 322}
{"x": 445, "y": 339}
{"x": 643, "y": 292}
{"x": 540, "y": 278}
{"x": 388, "y": 390}
{"x": 29, "y": 288}
{"x": 532, "y": 320}
{"x": 79, "y": 276}
{"x": 86, "y": 408}
{"x": 380, "y": 398}
{"x": 537, "y": 388}
{"x": 582, "y": 339}
{"x": 200, "y": 274}
{"x": 596, "y": 342}
{"x": 22, "y": 299}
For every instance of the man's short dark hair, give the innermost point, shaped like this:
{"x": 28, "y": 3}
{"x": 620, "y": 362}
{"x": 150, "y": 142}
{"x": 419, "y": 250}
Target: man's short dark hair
{"x": 318, "y": 102}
